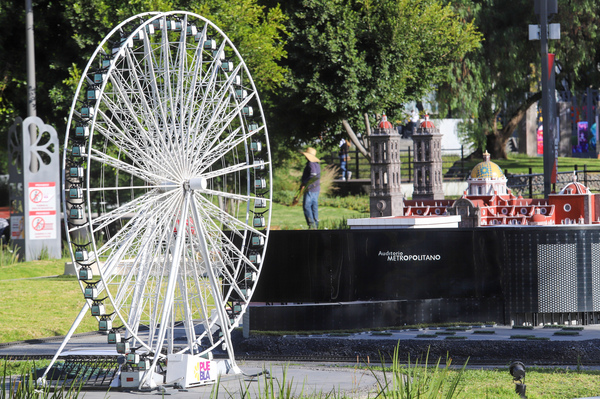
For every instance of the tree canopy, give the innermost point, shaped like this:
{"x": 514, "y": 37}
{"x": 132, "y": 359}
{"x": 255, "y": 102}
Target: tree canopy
{"x": 348, "y": 57}
{"x": 317, "y": 62}
{"x": 68, "y": 31}
{"x": 493, "y": 86}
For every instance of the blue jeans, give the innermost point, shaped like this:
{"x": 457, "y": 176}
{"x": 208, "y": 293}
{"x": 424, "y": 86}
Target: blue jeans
{"x": 311, "y": 209}
{"x": 344, "y": 168}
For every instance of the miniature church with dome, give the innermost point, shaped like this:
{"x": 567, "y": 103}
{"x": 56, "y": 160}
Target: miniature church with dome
{"x": 486, "y": 202}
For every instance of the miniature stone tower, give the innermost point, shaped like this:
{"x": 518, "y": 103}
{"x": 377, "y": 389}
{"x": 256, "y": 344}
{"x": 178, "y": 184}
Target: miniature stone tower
{"x": 386, "y": 192}
{"x": 427, "y": 141}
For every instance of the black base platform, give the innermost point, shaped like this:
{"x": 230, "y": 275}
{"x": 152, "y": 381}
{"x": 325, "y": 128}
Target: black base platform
{"x": 344, "y": 279}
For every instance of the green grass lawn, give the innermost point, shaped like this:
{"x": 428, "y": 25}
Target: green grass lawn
{"x": 38, "y": 302}
{"x": 542, "y": 383}
{"x": 285, "y": 217}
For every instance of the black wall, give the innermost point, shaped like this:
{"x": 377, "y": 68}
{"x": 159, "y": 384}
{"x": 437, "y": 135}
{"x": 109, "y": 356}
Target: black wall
{"x": 428, "y": 275}
{"x": 354, "y": 265}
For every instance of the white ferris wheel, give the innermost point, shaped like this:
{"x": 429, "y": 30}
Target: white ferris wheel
{"x": 167, "y": 190}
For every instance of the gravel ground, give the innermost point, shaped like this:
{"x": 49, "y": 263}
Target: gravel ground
{"x": 478, "y": 352}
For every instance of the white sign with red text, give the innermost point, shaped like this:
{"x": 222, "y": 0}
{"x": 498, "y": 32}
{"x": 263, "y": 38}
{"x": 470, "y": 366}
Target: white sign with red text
{"x": 42, "y": 210}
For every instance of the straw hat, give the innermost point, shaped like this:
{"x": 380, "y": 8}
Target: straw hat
{"x": 310, "y": 154}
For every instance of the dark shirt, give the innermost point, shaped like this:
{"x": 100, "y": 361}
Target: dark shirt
{"x": 311, "y": 177}
{"x": 344, "y": 152}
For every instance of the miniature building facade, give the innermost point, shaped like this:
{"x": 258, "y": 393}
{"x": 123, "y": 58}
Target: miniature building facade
{"x": 428, "y": 181}
{"x": 488, "y": 202}
{"x": 386, "y": 191}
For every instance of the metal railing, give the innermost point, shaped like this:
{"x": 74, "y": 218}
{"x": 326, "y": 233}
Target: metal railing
{"x": 454, "y": 168}
{"x": 532, "y": 184}
{"x": 361, "y": 169}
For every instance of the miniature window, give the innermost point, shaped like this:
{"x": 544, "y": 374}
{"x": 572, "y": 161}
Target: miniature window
{"x": 543, "y": 211}
{"x": 567, "y": 207}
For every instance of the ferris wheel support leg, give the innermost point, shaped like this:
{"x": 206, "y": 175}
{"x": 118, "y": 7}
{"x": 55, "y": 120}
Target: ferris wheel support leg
{"x": 74, "y": 326}
{"x": 232, "y": 366}
{"x": 147, "y": 381}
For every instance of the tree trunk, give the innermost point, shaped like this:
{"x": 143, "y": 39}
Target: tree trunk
{"x": 497, "y": 139}
{"x": 355, "y": 140}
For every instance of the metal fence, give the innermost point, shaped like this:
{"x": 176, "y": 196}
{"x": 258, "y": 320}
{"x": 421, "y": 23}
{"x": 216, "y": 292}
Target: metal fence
{"x": 453, "y": 165}
{"x": 532, "y": 184}
{"x": 454, "y": 168}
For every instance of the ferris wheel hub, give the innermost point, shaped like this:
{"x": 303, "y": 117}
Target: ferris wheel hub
{"x": 198, "y": 183}
{"x": 168, "y": 186}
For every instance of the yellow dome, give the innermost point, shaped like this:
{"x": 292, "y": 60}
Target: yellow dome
{"x": 486, "y": 169}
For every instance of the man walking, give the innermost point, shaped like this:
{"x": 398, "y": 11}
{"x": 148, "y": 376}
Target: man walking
{"x": 311, "y": 186}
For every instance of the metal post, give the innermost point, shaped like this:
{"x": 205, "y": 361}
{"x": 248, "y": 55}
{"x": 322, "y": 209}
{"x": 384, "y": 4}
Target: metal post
{"x": 357, "y": 164}
{"x": 530, "y": 183}
{"x": 409, "y": 166}
{"x": 546, "y": 126}
{"x": 585, "y": 182}
{"x": 31, "y": 84}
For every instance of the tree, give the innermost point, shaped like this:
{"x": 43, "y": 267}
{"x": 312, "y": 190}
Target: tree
{"x": 68, "y": 31}
{"x": 348, "y": 57}
{"x": 495, "y": 85}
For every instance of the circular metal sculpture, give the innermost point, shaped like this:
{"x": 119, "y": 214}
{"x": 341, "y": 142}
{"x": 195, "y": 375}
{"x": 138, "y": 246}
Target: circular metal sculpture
{"x": 167, "y": 189}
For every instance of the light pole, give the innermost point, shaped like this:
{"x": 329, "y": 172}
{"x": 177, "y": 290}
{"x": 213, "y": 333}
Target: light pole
{"x": 31, "y": 84}
{"x": 546, "y": 123}
{"x": 545, "y": 8}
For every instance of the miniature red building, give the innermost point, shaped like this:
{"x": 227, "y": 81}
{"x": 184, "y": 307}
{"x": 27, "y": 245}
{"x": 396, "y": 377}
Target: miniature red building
{"x": 385, "y": 124}
{"x": 488, "y": 202}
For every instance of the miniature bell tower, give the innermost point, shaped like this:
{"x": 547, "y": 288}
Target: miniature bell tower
{"x": 428, "y": 183}
{"x": 386, "y": 191}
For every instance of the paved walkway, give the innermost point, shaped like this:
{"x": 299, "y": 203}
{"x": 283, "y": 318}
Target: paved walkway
{"x": 478, "y": 333}
{"x": 317, "y": 379}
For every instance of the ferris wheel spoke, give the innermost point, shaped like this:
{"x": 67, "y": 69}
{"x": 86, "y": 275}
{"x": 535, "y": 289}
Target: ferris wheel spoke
{"x": 231, "y": 141}
{"x": 199, "y": 285}
{"x": 135, "y": 226}
{"x": 210, "y": 225}
{"x": 145, "y": 270}
{"x": 139, "y": 153}
{"x": 233, "y": 169}
{"x": 135, "y": 209}
{"x": 213, "y": 213}
{"x": 133, "y": 170}
{"x": 127, "y": 123}
{"x": 219, "y": 95}
{"x": 217, "y": 126}
{"x": 153, "y": 67}
{"x": 210, "y": 93}
{"x": 140, "y": 77}
{"x": 182, "y": 64}
{"x": 223, "y": 271}
{"x": 195, "y": 85}
{"x": 231, "y": 196}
